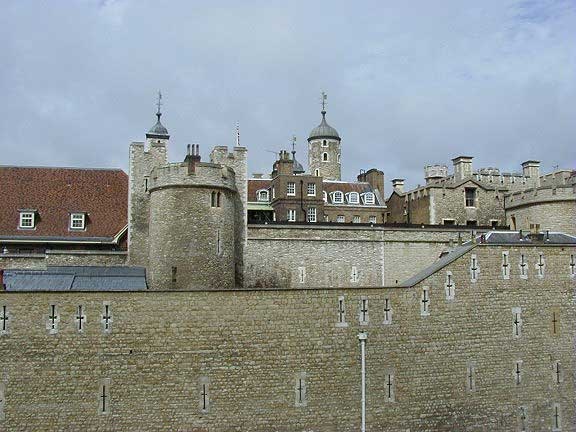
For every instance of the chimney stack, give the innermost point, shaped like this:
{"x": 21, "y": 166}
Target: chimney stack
{"x": 462, "y": 167}
{"x": 398, "y": 186}
{"x": 192, "y": 157}
{"x": 531, "y": 169}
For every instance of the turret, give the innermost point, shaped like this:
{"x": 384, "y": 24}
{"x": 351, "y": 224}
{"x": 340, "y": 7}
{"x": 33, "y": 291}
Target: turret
{"x": 324, "y": 149}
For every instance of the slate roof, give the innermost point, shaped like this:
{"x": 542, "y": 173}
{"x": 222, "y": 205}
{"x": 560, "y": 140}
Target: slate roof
{"x": 76, "y": 278}
{"x": 514, "y": 237}
{"x": 438, "y": 265}
{"x": 54, "y": 193}
{"x": 345, "y": 187}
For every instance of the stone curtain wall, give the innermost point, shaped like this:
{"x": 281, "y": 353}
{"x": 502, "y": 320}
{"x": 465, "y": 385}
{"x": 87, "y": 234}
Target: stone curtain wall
{"x": 62, "y": 258}
{"x": 554, "y": 216}
{"x": 247, "y": 350}
{"x": 276, "y": 255}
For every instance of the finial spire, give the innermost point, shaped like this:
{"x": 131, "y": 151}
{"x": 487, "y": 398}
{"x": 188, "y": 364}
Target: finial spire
{"x": 324, "y": 98}
{"x": 159, "y": 104}
{"x": 237, "y": 134}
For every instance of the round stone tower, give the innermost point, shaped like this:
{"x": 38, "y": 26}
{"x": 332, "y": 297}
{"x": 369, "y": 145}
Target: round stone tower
{"x": 194, "y": 209}
{"x": 324, "y": 150}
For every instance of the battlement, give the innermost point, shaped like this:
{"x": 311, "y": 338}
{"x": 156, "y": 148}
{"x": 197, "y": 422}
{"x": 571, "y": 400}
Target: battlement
{"x": 205, "y": 175}
{"x": 220, "y": 154}
{"x": 541, "y": 194}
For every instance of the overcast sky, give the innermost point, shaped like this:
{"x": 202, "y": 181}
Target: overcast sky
{"x": 409, "y": 83}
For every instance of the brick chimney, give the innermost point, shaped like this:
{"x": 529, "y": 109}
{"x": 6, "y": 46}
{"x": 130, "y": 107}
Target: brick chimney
{"x": 192, "y": 157}
{"x": 285, "y": 165}
{"x": 375, "y": 178}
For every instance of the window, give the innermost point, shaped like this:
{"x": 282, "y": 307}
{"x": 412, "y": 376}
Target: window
{"x": 215, "y": 199}
{"x": 324, "y": 143}
{"x": 77, "y": 221}
{"x": 302, "y": 274}
{"x": 353, "y": 197}
{"x": 337, "y": 197}
{"x": 340, "y": 219}
{"x": 387, "y": 311}
{"x": 311, "y": 189}
{"x": 104, "y": 396}
{"x": 291, "y": 215}
{"x": 311, "y": 214}
{"x": 354, "y": 276}
{"x": 516, "y": 322}
{"x": 325, "y": 196}
{"x": 471, "y": 223}
{"x": 425, "y": 302}
{"x": 470, "y": 194}
{"x": 324, "y": 157}
{"x": 263, "y": 195}
{"x": 300, "y": 390}
{"x": 204, "y": 390}
{"x": 27, "y": 220}
{"x": 291, "y": 189}
{"x": 494, "y": 223}
{"x": 369, "y": 198}
{"x": 341, "y": 313}
{"x": 448, "y": 222}
{"x": 363, "y": 315}
{"x": 338, "y": 157}
{"x": 53, "y": 319}
{"x": 317, "y": 172}
{"x": 356, "y": 219}
{"x": 372, "y": 219}
{"x": 273, "y": 193}
{"x": 470, "y": 377}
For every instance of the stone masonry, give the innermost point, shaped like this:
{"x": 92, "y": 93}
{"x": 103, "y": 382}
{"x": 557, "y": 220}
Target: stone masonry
{"x": 224, "y": 360}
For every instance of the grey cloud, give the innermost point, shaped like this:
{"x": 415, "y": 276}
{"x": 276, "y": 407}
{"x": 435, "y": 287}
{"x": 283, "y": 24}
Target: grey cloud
{"x": 409, "y": 83}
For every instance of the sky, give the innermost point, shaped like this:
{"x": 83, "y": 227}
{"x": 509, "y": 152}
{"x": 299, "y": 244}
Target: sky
{"x": 409, "y": 82}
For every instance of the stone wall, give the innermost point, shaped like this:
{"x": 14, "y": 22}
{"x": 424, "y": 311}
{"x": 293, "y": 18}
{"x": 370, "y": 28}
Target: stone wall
{"x": 62, "y": 258}
{"x": 331, "y": 169}
{"x": 552, "y": 208}
{"x": 246, "y": 351}
{"x": 304, "y": 255}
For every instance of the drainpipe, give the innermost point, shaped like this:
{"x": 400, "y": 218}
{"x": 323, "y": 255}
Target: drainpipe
{"x": 362, "y": 338}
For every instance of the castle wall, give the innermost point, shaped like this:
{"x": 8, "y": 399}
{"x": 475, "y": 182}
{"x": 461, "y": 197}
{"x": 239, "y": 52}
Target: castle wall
{"x": 552, "y": 208}
{"x": 192, "y": 239}
{"x": 450, "y": 204}
{"x": 142, "y": 161}
{"x": 279, "y": 256}
{"x": 237, "y": 161}
{"x": 62, "y": 258}
{"x": 252, "y": 346}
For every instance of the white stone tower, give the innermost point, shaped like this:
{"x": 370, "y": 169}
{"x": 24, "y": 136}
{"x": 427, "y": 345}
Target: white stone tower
{"x": 324, "y": 150}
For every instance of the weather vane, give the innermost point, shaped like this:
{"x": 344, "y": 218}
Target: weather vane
{"x": 159, "y": 104}
{"x": 324, "y": 98}
{"x": 293, "y": 143}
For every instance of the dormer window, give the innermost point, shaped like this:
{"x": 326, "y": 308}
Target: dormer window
{"x": 368, "y": 198}
{"x": 27, "y": 219}
{"x": 353, "y": 197}
{"x": 77, "y": 221}
{"x": 337, "y": 197}
{"x": 263, "y": 195}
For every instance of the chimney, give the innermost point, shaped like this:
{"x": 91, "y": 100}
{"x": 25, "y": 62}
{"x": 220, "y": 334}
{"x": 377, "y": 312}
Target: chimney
{"x": 192, "y": 157}
{"x": 257, "y": 175}
{"x": 435, "y": 172}
{"x": 285, "y": 164}
{"x": 398, "y": 186}
{"x": 375, "y": 178}
{"x": 531, "y": 169}
{"x": 462, "y": 167}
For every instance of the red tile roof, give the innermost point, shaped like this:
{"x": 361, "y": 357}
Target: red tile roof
{"x": 55, "y": 193}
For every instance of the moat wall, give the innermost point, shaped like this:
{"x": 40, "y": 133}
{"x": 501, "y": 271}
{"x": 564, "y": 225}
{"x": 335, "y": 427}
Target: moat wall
{"x": 252, "y": 346}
